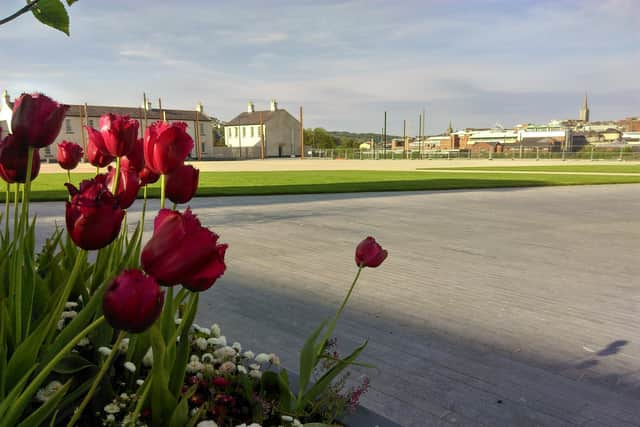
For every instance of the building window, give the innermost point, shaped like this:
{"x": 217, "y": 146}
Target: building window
{"x": 201, "y": 129}
{"x": 67, "y": 126}
{"x": 202, "y": 147}
{"x": 236, "y": 132}
{"x": 252, "y": 132}
{"x": 90, "y": 123}
{"x": 244, "y": 132}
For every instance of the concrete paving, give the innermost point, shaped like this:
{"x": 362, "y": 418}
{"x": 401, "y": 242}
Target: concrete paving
{"x": 510, "y": 307}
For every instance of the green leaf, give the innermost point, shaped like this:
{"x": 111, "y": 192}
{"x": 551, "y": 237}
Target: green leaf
{"x": 73, "y": 363}
{"x": 325, "y": 381}
{"x": 286, "y": 396}
{"x": 70, "y": 2}
{"x": 43, "y": 412}
{"x": 53, "y": 14}
{"x": 308, "y": 358}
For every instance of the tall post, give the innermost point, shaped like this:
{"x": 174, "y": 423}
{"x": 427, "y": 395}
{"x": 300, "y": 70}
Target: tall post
{"x": 86, "y": 117}
{"x": 197, "y": 133}
{"x": 404, "y": 137}
{"x": 163, "y": 117}
{"x": 83, "y": 122}
{"x": 146, "y": 111}
{"x": 384, "y": 147}
{"x": 240, "y": 140}
{"x": 301, "y": 136}
{"x": 592, "y": 147}
{"x": 261, "y": 138}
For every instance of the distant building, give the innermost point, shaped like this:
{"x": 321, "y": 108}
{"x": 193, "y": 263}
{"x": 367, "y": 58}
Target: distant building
{"x": 279, "y": 130}
{"x": 584, "y": 111}
{"x": 201, "y": 127}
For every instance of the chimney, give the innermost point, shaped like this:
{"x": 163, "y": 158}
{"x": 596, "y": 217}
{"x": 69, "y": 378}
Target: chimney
{"x": 199, "y": 107}
{"x": 251, "y": 108}
{"x": 274, "y": 105}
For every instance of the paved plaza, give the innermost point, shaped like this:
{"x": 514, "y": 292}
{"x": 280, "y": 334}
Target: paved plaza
{"x": 509, "y": 307}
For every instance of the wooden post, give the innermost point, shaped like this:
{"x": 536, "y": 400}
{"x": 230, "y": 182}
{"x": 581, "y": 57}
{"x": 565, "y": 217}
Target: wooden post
{"x": 301, "y": 136}
{"x": 197, "y": 133}
{"x": 162, "y": 116}
{"x": 261, "y": 138}
{"x": 384, "y": 147}
{"x": 146, "y": 112}
{"x": 404, "y": 137}
{"x": 83, "y": 122}
{"x": 240, "y": 140}
{"x": 86, "y": 117}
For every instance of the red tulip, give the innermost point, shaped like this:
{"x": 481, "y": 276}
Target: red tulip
{"x": 119, "y": 133}
{"x": 147, "y": 176}
{"x": 182, "y": 184}
{"x": 135, "y": 159}
{"x": 369, "y": 253}
{"x": 37, "y": 120}
{"x": 166, "y": 146}
{"x": 96, "y": 155}
{"x": 133, "y": 301}
{"x": 69, "y": 155}
{"x": 93, "y": 216}
{"x": 13, "y": 161}
{"x": 182, "y": 251}
{"x": 128, "y": 186}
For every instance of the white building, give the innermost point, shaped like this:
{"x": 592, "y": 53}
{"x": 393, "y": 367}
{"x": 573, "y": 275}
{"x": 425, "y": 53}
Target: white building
{"x": 276, "y": 128}
{"x": 200, "y": 126}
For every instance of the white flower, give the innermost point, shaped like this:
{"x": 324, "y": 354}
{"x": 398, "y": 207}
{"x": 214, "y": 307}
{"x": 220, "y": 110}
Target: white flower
{"x": 220, "y": 341}
{"x": 201, "y": 343}
{"x": 194, "y": 358}
{"x": 250, "y": 425}
{"x": 129, "y": 366}
{"x": 124, "y": 396}
{"x": 112, "y": 408}
{"x": 194, "y": 367}
{"x": 237, "y": 346}
{"x": 147, "y": 360}
{"x": 274, "y": 359}
{"x": 60, "y": 325}
{"x": 296, "y": 423}
{"x": 207, "y": 423}
{"x": 241, "y": 369}
{"x": 286, "y": 418}
{"x": 249, "y": 354}
{"x": 105, "y": 351}
{"x": 178, "y": 321}
{"x": 111, "y": 418}
{"x": 124, "y": 345}
{"x": 69, "y": 314}
{"x": 224, "y": 352}
{"x": 49, "y": 391}
{"x": 254, "y": 366}
{"x": 263, "y": 358}
{"x": 215, "y": 330}
{"x": 255, "y": 374}
{"x": 70, "y": 305}
{"x": 139, "y": 382}
{"x": 207, "y": 358}
{"x": 205, "y": 331}
{"x": 84, "y": 341}
{"x": 227, "y": 367}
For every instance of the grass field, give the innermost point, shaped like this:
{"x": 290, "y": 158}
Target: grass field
{"x": 51, "y": 186}
{"x": 560, "y": 168}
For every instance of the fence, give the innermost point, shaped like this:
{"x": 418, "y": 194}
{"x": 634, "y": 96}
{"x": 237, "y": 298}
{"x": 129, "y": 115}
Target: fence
{"x": 624, "y": 154}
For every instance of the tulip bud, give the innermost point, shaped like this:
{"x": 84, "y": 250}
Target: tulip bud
{"x": 119, "y": 134}
{"x": 69, "y": 155}
{"x": 166, "y": 146}
{"x": 182, "y": 251}
{"x": 133, "y": 301}
{"x": 182, "y": 184}
{"x": 13, "y": 161}
{"x": 93, "y": 216}
{"x": 128, "y": 186}
{"x": 36, "y": 120}
{"x": 369, "y": 253}
{"x": 95, "y": 154}
{"x": 147, "y": 176}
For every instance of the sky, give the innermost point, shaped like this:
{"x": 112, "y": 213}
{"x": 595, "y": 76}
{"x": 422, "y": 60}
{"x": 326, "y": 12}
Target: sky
{"x": 476, "y": 63}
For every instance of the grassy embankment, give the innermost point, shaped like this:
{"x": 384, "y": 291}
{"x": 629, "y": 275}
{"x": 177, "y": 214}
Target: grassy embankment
{"x": 51, "y": 186}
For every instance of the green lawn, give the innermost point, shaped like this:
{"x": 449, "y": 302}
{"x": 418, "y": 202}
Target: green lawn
{"x": 51, "y": 186}
{"x": 560, "y": 168}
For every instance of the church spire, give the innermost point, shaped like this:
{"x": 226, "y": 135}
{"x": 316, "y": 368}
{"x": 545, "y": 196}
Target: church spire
{"x": 450, "y": 128}
{"x": 584, "y": 111}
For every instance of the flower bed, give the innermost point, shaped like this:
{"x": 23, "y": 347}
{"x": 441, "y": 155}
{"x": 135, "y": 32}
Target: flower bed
{"x": 110, "y": 339}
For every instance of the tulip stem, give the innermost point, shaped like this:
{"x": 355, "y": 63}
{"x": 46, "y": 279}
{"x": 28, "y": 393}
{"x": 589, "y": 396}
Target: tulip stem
{"x": 332, "y": 325}
{"x": 96, "y": 381}
{"x": 7, "y": 206}
{"x": 162, "y": 189}
{"x": 15, "y": 209}
{"x": 175, "y": 205}
{"x": 114, "y": 189}
{"x": 27, "y": 395}
{"x": 97, "y": 170}
{"x": 27, "y": 187}
{"x": 69, "y": 180}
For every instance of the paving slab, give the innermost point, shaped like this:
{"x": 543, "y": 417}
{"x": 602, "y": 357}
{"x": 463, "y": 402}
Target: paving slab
{"x": 509, "y": 307}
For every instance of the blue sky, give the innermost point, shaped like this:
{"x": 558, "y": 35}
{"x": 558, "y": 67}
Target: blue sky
{"x": 476, "y": 63}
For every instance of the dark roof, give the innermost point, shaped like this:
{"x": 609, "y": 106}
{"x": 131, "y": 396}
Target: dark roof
{"x": 539, "y": 142}
{"x": 247, "y": 118}
{"x": 138, "y": 113}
